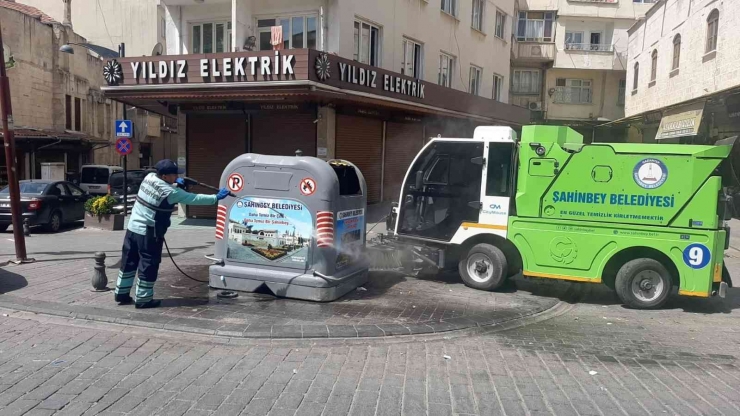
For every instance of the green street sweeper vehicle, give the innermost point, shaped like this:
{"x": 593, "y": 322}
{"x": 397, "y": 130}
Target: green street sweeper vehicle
{"x": 643, "y": 219}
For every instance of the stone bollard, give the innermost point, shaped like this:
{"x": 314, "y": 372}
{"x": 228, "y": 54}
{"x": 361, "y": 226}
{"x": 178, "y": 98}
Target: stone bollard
{"x": 99, "y": 279}
{"x": 26, "y": 228}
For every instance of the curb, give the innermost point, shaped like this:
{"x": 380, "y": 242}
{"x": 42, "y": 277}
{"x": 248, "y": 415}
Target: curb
{"x": 501, "y": 321}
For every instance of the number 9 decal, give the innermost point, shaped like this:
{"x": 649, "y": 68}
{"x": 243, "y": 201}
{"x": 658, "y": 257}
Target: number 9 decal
{"x": 696, "y": 256}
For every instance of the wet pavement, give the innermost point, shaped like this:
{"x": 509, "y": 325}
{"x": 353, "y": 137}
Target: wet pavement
{"x": 389, "y": 304}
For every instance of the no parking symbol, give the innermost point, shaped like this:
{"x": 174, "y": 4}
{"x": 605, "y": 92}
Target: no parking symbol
{"x": 235, "y": 183}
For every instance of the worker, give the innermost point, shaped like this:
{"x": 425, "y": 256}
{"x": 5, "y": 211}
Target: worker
{"x": 150, "y": 218}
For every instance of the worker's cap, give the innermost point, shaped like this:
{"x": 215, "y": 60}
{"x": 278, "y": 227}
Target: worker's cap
{"x": 168, "y": 167}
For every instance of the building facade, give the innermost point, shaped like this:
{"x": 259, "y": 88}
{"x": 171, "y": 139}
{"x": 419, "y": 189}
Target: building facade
{"x": 140, "y": 26}
{"x": 684, "y": 72}
{"x": 60, "y": 113}
{"x": 569, "y": 61}
{"x": 364, "y": 81}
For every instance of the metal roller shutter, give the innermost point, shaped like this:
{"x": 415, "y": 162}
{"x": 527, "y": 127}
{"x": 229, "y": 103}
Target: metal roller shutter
{"x": 282, "y": 133}
{"x": 360, "y": 140}
{"x": 402, "y": 143}
{"x": 213, "y": 142}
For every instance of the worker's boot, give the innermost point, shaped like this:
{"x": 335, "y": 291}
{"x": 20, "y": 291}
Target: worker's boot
{"x": 148, "y": 305}
{"x": 123, "y": 299}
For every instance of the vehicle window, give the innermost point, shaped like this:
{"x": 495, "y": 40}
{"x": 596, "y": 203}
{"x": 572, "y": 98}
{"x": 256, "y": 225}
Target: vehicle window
{"x": 439, "y": 174}
{"x": 58, "y": 189}
{"x": 136, "y": 177}
{"x": 28, "y": 188}
{"x": 75, "y": 191}
{"x": 499, "y": 169}
{"x": 96, "y": 176}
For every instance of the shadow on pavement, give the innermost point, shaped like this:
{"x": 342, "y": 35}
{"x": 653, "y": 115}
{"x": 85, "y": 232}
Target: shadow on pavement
{"x": 11, "y": 281}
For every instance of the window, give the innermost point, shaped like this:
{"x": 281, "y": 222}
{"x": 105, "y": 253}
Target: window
{"x": 676, "y": 52}
{"x": 535, "y": 26}
{"x": 58, "y": 190}
{"x": 95, "y": 176}
{"x": 573, "y": 40}
{"x": 573, "y": 91}
{"x": 477, "y": 18}
{"x": 367, "y": 43}
{"x": 498, "y": 83}
{"x": 78, "y": 114}
{"x": 622, "y": 92}
{"x": 412, "y": 60}
{"x": 475, "y": 73}
{"x": 68, "y": 112}
{"x": 500, "y": 173}
{"x": 653, "y": 65}
{"x": 163, "y": 30}
{"x": 75, "y": 191}
{"x": 211, "y": 37}
{"x": 525, "y": 81}
{"x": 500, "y": 24}
{"x": 440, "y": 172}
{"x": 449, "y": 7}
{"x": 644, "y": 1}
{"x": 446, "y": 64}
{"x": 298, "y": 31}
{"x": 712, "y": 28}
{"x": 595, "y": 41}
{"x": 636, "y": 77}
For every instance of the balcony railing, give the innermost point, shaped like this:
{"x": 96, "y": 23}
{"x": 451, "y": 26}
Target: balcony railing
{"x": 589, "y": 47}
{"x": 573, "y": 95}
{"x": 596, "y": 1}
{"x": 533, "y": 51}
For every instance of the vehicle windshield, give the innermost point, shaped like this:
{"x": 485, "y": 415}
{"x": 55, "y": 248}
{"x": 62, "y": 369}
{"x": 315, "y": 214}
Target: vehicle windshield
{"x": 116, "y": 179}
{"x": 28, "y": 188}
{"x": 96, "y": 176}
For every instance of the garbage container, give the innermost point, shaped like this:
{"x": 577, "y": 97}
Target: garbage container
{"x": 296, "y": 227}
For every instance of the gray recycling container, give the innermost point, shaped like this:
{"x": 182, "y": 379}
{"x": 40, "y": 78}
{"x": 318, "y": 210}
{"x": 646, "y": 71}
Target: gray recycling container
{"x": 296, "y": 227}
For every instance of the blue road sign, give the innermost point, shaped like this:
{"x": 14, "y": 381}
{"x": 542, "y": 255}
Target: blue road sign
{"x": 124, "y": 128}
{"x": 124, "y": 146}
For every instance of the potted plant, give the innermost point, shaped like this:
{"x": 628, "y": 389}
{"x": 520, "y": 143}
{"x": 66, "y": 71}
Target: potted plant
{"x": 99, "y": 214}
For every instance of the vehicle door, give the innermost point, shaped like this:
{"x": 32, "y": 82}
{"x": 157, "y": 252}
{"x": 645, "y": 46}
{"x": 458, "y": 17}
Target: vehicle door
{"x": 442, "y": 190}
{"x": 79, "y": 198}
{"x": 95, "y": 180}
{"x": 498, "y": 185}
{"x": 65, "y": 200}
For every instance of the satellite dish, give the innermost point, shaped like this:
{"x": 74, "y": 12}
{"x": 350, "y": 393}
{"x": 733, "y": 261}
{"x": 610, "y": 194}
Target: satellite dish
{"x": 158, "y": 49}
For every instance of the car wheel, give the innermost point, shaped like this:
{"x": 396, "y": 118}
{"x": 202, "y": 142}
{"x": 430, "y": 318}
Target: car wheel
{"x": 484, "y": 267}
{"x": 55, "y": 222}
{"x": 643, "y": 284}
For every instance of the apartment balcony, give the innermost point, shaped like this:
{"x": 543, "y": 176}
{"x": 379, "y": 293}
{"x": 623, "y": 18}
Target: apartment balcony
{"x": 531, "y": 52}
{"x": 589, "y": 56}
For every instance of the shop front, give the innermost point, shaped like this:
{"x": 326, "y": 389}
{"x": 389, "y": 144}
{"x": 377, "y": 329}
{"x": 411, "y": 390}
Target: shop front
{"x": 279, "y": 102}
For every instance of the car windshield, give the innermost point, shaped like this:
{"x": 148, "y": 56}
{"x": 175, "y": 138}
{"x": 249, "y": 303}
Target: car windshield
{"x": 29, "y": 188}
{"x": 96, "y": 176}
{"x": 116, "y": 179}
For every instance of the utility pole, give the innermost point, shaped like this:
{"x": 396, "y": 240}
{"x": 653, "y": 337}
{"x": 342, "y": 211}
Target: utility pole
{"x": 121, "y": 54}
{"x": 9, "y": 142}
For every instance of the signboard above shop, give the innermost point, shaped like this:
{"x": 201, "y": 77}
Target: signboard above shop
{"x": 681, "y": 121}
{"x": 293, "y": 68}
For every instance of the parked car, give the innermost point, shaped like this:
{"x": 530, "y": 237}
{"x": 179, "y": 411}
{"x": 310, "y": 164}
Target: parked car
{"x": 47, "y": 203}
{"x": 133, "y": 181}
{"x": 94, "y": 178}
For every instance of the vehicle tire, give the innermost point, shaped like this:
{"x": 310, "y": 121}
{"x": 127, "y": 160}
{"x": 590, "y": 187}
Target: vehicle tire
{"x": 484, "y": 267}
{"x": 55, "y": 222}
{"x": 643, "y": 284}
{"x": 725, "y": 275}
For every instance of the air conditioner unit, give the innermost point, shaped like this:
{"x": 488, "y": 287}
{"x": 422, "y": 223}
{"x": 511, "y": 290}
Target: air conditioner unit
{"x": 535, "y": 105}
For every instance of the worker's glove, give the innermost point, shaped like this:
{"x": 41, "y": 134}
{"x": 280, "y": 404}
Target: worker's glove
{"x": 223, "y": 193}
{"x": 180, "y": 183}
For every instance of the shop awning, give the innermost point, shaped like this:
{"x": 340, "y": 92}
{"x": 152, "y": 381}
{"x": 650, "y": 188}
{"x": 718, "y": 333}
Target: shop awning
{"x": 681, "y": 121}
{"x": 29, "y": 134}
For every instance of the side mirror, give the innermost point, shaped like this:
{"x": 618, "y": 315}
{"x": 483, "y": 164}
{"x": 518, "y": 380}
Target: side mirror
{"x": 419, "y": 180}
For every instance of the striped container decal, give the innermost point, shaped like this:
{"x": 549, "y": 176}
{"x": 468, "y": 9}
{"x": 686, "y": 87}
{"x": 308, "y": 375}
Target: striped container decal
{"x": 220, "y": 222}
{"x": 324, "y": 229}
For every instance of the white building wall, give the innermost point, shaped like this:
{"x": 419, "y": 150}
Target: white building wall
{"x": 418, "y": 20}
{"x": 699, "y": 74}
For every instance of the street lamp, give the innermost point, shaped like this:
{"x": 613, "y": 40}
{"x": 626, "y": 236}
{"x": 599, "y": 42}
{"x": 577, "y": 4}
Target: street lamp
{"x": 109, "y": 54}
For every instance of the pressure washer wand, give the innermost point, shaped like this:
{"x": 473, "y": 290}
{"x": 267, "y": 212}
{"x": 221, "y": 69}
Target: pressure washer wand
{"x": 191, "y": 181}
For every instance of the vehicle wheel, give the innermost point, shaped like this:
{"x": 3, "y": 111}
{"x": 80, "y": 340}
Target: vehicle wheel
{"x": 725, "y": 275}
{"x": 643, "y": 284}
{"x": 484, "y": 267}
{"x": 55, "y": 222}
